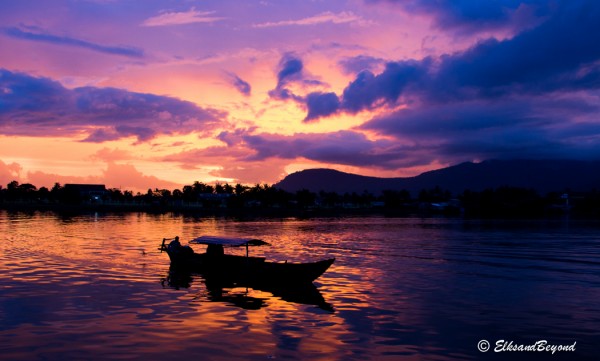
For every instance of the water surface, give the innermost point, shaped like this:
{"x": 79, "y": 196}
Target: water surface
{"x": 94, "y": 286}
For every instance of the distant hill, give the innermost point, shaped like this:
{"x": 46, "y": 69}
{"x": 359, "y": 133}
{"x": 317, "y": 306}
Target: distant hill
{"x": 542, "y": 175}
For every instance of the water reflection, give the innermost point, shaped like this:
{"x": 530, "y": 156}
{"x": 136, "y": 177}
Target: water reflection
{"x": 88, "y": 287}
{"x": 244, "y": 295}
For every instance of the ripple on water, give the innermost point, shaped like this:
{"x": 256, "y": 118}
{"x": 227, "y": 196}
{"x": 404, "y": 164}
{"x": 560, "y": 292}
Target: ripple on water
{"x": 95, "y": 287}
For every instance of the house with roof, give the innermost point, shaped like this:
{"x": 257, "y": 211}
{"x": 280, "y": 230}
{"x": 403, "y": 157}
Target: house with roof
{"x": 87, "y": 192}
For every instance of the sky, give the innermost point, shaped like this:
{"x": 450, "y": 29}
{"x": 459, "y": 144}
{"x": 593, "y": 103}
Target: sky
{"x": 162, "y": 93}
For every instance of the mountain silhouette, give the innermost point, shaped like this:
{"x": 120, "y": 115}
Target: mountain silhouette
{"x": 541, "y": 175}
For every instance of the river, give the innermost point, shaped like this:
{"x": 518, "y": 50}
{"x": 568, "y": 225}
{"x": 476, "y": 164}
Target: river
{"x": 95, "y": 287}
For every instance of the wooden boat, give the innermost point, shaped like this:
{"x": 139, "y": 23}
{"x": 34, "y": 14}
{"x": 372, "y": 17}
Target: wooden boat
{"x": 215, "y": 264}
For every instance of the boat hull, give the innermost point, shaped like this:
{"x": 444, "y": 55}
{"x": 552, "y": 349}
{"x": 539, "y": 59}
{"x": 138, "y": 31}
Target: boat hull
{"x": 244, "y": 270}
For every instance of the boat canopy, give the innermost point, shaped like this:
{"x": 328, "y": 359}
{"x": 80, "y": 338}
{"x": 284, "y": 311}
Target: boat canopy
{"x": 228, "y": 241}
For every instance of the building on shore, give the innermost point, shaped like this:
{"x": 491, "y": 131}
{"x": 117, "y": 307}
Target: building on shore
{"x": 87, "y": 192}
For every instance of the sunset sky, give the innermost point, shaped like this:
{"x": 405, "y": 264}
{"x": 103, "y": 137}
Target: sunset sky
{"x": 159, "y": 94}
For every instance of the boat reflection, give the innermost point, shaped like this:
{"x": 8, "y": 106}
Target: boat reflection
{"x": 219, "y": 290}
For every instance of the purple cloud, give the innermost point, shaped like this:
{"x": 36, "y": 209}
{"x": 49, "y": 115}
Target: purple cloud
{"x": 321, "y": 105}
{"x": 357, "y": 64}
{"x": 43, "y": 107}
{"x": 291, "y": 70}
{"x": 241, "y": 85}
{"x": 533, "y": 95}
{"x": 342, "y": 147}
{"x": 508, "y": 127}
{"x": 369, "y": 90}
{"x": 550, "y": 57}
{"x": 558, "y": 55}
{"x": 73, "y": 42}
{"x": 473, "y": 16}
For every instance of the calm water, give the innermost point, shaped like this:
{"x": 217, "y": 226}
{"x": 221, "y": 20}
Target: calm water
{"x": 95, "y": 286}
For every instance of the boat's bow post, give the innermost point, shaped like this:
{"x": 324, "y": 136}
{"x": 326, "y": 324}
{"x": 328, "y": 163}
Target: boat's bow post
{"x": 162, "y": 246}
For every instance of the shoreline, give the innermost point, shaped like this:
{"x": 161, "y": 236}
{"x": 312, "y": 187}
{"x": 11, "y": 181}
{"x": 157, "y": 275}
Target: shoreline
{"x": 281, "y": 212}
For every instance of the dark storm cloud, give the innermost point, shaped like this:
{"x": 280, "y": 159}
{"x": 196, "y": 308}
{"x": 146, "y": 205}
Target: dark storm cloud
{"x": 122, "y": 131}
{"x": 558, "y": 55}
{"x": 507, "y": 127}
{"x": 473, "y": 15}
{"x": 368, "y": 90}
{"x": 321, "y": 105}
{"x": 561, "y": 54}
{"x": 522, "y": 96}
{"x": 43, "y": 107}
{"x": 69, "y": 41}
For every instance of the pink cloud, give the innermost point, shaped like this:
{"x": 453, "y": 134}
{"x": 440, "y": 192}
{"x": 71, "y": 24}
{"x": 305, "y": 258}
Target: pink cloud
{"x": 124, "y": 176}
{"x": 181, "y": 18}
{"x": 111, "y": 155}
{"x": 43, "y": 179}
{"x": 343, "y": 17}
{"x": 9, "y": 173}
{"x": 252, "y": 172}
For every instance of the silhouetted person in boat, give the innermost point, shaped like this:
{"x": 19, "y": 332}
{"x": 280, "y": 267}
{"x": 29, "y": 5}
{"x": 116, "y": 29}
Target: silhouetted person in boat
{"x": 176, "y": 248}
{"x": 174, "y": 245}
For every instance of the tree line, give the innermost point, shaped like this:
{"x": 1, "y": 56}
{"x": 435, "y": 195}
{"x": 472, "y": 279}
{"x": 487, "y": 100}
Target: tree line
{"x": 498, "y": 202}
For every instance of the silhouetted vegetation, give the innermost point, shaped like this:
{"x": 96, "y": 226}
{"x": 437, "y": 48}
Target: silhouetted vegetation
{"x": 501, "y": 202}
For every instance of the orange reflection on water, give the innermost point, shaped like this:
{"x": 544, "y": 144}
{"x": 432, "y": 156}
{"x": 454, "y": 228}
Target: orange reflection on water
{"x": 94, "y": 286}
{"x": 101, "y": 278}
